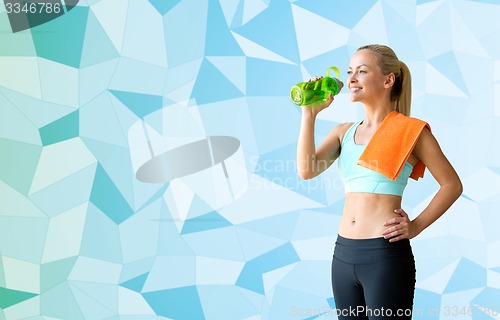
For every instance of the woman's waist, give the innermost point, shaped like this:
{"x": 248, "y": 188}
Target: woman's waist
{"x": 371, "y": 250}
{"x": 365, "y": 214}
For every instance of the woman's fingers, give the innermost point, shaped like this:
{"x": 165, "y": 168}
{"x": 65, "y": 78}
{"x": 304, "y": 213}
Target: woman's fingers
{"x": 314, "y": 78}
{"x": 399, "y": 227}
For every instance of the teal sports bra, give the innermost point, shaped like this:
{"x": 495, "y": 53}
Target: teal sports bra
{"x": 360, "y": 179}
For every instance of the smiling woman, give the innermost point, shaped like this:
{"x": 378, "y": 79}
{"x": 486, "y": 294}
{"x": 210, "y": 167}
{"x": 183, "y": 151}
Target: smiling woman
{"x": 373, "y": 251}
{"x": 394, "y": 71}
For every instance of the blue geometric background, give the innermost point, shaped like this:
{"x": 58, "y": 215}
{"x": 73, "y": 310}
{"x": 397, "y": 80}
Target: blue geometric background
{"x": 91, "y": 98}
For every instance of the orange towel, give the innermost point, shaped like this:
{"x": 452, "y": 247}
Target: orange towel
{"x": 391, "y": 146}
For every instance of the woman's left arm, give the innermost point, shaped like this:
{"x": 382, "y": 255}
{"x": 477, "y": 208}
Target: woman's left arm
{"x": 429, "y": 152}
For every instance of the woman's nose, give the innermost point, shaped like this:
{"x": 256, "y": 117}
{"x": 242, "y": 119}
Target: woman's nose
{"x": 351, "y": 78}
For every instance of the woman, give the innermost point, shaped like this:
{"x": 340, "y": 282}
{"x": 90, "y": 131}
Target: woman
{"x": 373, "y": 270}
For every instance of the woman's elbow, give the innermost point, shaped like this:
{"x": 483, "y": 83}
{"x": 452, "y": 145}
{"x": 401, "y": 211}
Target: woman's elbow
{"x": 459, "y": 188}
{"x": 306, "y": 175}
{"x": 456, "y": 188}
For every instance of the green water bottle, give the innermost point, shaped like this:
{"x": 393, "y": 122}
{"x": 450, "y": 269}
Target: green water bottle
{"x": 304, "y": 93}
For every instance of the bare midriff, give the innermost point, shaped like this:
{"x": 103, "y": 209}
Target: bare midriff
{"x": 365, "y": 213}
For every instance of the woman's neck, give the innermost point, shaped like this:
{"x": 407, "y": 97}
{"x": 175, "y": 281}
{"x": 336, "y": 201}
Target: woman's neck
{"x": 375, "y": 116}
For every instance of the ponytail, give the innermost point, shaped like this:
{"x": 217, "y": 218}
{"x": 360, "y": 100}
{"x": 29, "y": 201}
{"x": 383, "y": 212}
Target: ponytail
{"x": 401, "y": 91}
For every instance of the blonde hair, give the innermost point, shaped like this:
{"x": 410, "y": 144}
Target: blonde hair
{"x": 389, "y": 63}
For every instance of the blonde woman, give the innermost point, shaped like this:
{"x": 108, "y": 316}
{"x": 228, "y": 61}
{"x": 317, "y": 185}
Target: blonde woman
{"x": 373, "y": 269}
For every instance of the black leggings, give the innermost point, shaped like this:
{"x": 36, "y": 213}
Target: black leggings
{"x": 373, "y": 278}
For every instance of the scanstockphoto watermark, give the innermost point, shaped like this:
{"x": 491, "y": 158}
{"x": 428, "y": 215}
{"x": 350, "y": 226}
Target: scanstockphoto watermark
{"x": 442, "y": 312}
{"x": 292, "y": 165}
{"x": 356, "y": 311}
{"x": 284, "y": 173}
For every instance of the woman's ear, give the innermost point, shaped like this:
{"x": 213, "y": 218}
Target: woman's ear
{"x": 389, "y": 80}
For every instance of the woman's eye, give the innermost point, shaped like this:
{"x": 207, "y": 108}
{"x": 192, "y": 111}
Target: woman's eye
{"x": 349, "y": 72}
{"x": 362, "y": 71}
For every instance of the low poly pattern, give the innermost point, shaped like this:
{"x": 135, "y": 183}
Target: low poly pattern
{"x": 147, "y": 156}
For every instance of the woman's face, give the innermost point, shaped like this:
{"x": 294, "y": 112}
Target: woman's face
{"x": 365, "y": 80}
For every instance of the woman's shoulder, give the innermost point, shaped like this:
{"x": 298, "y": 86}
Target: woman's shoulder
{"x": 409, "y": 119}
{"x": 345, "y": 125}
{"x": 338, "y": 132}
{"x": 342, "y": 129}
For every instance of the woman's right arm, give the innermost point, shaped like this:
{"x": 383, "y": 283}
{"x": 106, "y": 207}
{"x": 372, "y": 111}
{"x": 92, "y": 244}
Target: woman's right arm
{"x": 311, "y": 161}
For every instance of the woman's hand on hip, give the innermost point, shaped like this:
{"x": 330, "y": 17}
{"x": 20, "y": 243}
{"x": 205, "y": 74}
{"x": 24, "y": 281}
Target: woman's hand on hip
{"x": 398, "y": 228}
